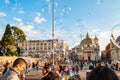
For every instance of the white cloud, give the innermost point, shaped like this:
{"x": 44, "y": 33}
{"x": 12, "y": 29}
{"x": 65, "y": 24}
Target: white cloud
{"x": 104, "y": 39}
{"x": 30, "y": 31}
{"x": 1, "y": 33}
{"x": 2, "y": 14}
{"x": 21, "y": 12}
{"x": 17, "y": 19}
{"x": 26, "y": 28}
{"x": 39, "y": 20}
{"x": 105, "y": 34}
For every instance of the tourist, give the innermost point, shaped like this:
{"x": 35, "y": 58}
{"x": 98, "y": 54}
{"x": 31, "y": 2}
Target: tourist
{"x": 102, "y": 73}
{"x": 47, "y": 74}
{"x": 6, "y": 68}
{"x": 14, "y": 72}
{"x": 65, "y": 73}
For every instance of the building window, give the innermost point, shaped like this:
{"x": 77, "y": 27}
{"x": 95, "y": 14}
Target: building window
{"x": 49, "y": 48}
{"x": 29, "y": 48}
{"x": 44, "y": 43}
{"x": 37, "y": 43}
{"x": 44, "y": 48}
{"x": 33, "y": 44}
{"x": 88, "y": 45}
{"x": 37, "y": 48}
{"x": 33, "y": 48}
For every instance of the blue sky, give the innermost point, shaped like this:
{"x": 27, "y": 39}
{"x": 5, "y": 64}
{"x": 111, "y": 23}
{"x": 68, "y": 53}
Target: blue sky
{"x": 72, "y": 19}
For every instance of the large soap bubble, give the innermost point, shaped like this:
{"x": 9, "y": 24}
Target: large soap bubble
{"x": 115, "y": 35}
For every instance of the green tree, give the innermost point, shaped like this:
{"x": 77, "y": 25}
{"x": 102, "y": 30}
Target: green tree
{"x": 0, "y": 47}
{"x": 0, "y": 43}
{"x": 7, "y": 38}
{"x": 10, "y": 39}
{"x": 18, "y": 34}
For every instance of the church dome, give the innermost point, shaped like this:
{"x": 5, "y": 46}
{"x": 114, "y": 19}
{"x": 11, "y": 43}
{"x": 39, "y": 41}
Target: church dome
{"x": 87, "y": 41}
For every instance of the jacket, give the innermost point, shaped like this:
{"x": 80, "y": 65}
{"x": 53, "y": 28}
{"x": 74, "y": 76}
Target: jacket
{"x": 11, "y": 74}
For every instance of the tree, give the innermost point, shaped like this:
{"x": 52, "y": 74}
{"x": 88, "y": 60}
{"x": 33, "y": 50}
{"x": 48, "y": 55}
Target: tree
{"x": 18, "y": 34}
{"x": 7, "y": 38}
{"x": 10, "y": 39}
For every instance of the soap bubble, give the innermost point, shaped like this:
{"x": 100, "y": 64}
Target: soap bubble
{"x": 58, "y": 21}
{"x": 115, "y": 35}
{"x": 66, "y": 10}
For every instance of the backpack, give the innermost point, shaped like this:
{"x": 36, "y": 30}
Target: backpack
{"x": 5, "y": 70}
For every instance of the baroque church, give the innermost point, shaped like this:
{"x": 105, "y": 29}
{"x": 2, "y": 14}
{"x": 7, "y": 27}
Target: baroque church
{"x": 88, "y": 49}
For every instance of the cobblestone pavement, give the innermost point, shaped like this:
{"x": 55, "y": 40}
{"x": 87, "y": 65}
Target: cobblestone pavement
{"x": 36, "y": 75}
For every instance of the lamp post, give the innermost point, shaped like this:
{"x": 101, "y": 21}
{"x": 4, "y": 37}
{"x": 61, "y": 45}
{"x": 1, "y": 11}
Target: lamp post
{"x": 53, "y": 30}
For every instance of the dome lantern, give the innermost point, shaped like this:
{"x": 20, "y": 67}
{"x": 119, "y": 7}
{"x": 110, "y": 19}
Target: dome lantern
{"x": 87, "y": 36}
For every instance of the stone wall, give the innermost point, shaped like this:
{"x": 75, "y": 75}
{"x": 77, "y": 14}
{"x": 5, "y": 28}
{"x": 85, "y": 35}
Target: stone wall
{"x": 5, "y": 59}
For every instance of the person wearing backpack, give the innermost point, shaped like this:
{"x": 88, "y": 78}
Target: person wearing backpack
{"x": 6, "y": 68}
{"x": 14, "y": 72}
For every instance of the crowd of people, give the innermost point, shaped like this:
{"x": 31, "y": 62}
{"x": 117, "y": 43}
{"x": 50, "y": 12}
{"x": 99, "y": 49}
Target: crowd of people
{"x": 97, "y": 71}
{"x": 59, "y": 71}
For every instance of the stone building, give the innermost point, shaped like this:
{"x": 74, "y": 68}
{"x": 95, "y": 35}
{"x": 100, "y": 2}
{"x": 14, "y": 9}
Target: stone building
{"x": 42, "y": 48}
{"x": 112, "y": 50}
{"x": 88, "y": 49}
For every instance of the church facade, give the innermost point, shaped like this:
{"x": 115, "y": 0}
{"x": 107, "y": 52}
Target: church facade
{"x": 90, "y": 48}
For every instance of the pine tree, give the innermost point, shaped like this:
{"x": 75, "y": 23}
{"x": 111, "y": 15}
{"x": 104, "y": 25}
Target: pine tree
{"x": 11, "y": 36}
{"x": 7, "y": 38}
